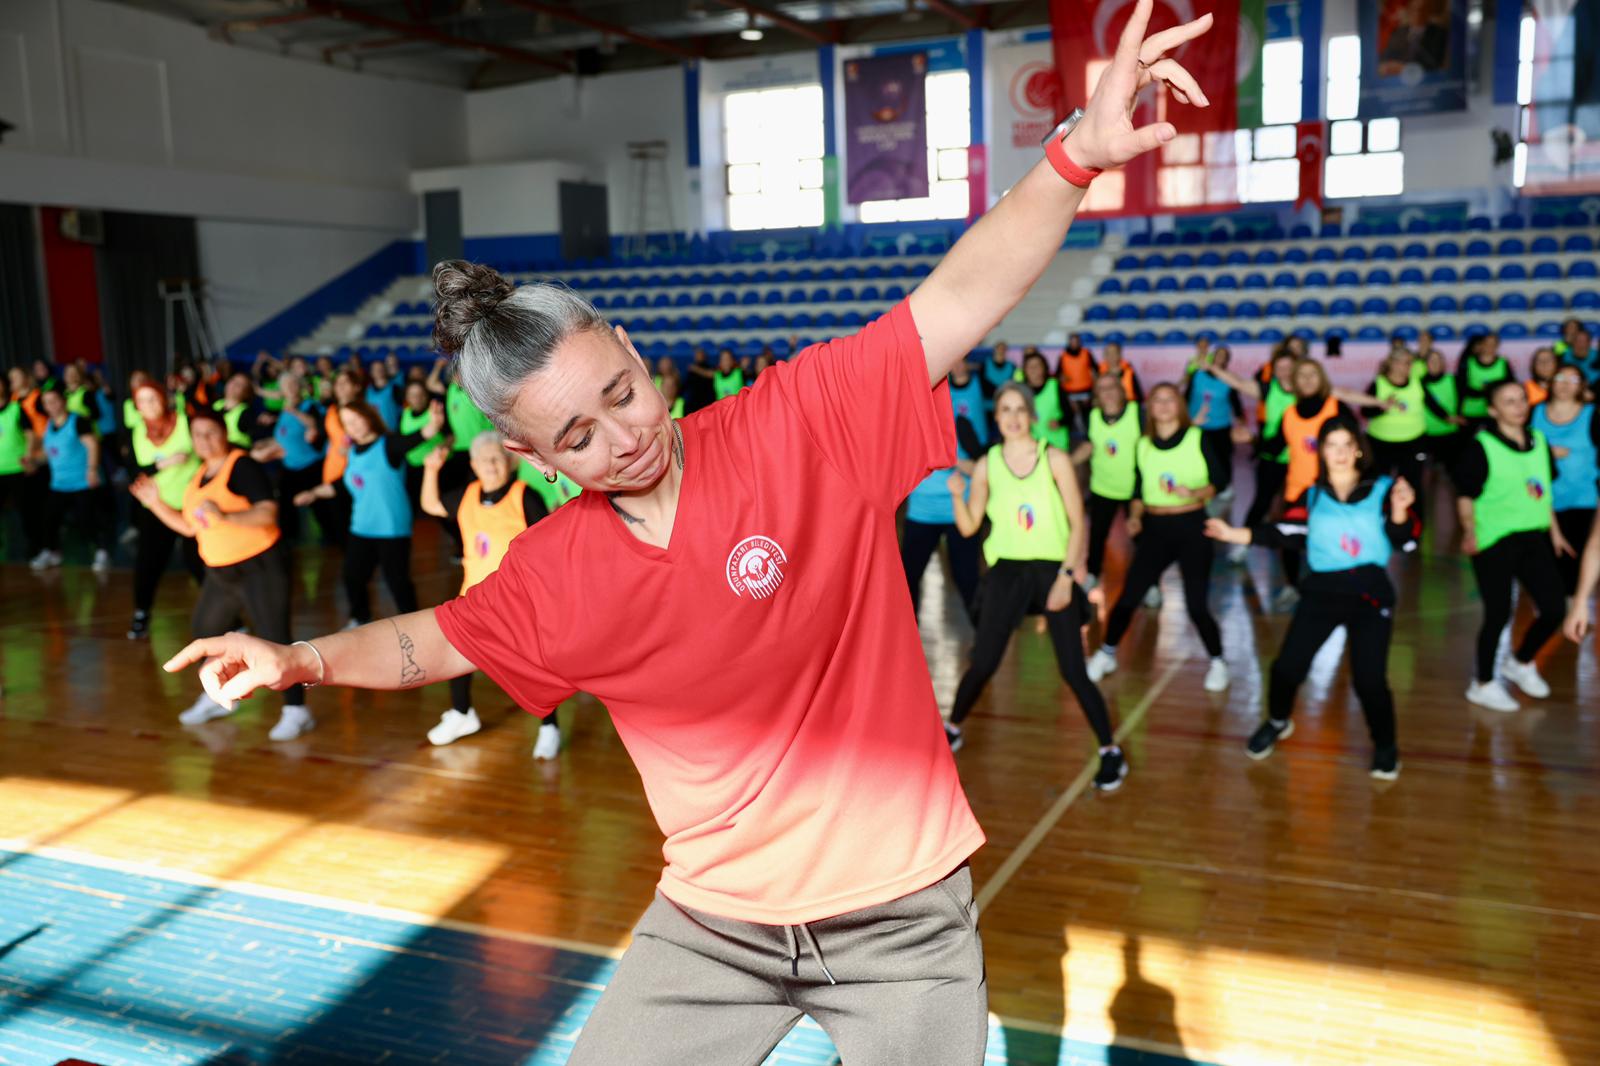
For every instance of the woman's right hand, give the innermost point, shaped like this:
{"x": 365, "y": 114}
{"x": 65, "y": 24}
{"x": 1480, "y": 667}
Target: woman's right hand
{"x": 144, "y": 490}
{"x": 957, "y": 484}
{"x": 235, "y": 665}
{"x": 1135, "y": 526}
{"x": 305, "y": 499}
{"x": 1577, "y": 623}
{"x": 435, "y": 459}
{"x": 1217, "y": 529}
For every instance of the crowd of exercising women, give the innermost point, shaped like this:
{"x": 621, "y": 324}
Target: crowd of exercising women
{"x": 224, "y": 464}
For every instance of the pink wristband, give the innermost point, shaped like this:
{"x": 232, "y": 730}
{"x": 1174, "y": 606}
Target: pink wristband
{"x": 1072, "y": 173}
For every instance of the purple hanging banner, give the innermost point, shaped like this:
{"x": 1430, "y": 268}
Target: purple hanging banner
{"x": 886, "y": 127}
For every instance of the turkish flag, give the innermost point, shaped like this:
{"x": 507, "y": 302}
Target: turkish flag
{"x": 1085, "y": 35}
{"x": 1311, "y": 150}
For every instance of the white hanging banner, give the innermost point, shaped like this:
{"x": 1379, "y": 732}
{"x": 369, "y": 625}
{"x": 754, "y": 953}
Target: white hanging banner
{"x": 1024, "y": 104}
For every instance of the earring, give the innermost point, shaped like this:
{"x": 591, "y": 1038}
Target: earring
{"x": 552, "y": 478}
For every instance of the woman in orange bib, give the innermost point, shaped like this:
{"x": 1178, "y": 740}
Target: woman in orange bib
{"x": 231, "y": 511}
{"x": 491, "y": 511}
{"x": 1076, "y": 372}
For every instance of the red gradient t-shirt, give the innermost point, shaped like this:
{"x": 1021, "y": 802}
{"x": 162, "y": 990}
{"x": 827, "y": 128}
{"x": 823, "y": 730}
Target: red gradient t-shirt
{"x": 764, "y": 670}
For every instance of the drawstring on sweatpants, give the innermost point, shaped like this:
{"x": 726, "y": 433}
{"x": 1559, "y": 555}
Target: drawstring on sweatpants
{"x": 811, "y": 942}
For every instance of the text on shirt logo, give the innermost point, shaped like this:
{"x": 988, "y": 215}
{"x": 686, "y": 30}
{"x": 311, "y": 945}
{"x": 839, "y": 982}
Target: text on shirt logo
{"x": 755, "y": 565}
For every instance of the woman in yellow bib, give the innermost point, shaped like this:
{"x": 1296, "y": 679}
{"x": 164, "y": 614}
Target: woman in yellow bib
{"x": 1035, "y": 551}
{"x": 490, "y": 512}
{"x": 1504, "y": 501}
{"x": 1174, "y": 477}
{"x": 229, "y": 508}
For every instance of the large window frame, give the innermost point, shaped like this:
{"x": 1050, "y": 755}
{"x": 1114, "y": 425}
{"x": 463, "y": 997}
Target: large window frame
{"x": 773, "y": 173}
{"x": 948, "y": 100}
{"x": 1364, "y": 155}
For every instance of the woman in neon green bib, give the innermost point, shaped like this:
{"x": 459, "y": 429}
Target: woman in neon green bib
{"x": 1035, "y": 552}
{"x": 164, "y": 453}
{"x": 1503, "y": 486}
{"x": 1115, "y": 425}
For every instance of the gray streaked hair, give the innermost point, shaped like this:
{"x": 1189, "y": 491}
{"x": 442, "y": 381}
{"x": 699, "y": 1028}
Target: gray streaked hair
{"x": 502, "y": 334}
{"x": 488, "y": 440}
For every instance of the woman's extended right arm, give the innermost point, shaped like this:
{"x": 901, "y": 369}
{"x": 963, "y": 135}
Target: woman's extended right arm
{"x": 407, "y": 651}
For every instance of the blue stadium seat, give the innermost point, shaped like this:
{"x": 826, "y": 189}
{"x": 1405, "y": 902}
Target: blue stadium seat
{"x": 1315, "y": 279}
{"x": 1387, "y": 228}
{"x": 1279, "y": 309}
{"x": 1311, "y": 308}
{"x": 1582, "y": 268}
{"x": 1145, "y": 336}
{"x": 849, "y": 273}
{"x": 1512, "y": 301}
{"x": 1175, "y": 336}
{"x": 1543, "y": 220}
{"x": 1361, "y": 228}
{"x": 1219, "y": 235}
{"x": 801, "y": 320}
{"x": 1225, "y": 283}
{"x": 1329, "y": 230}
{"x": 1346, "y": 278}
{"x": 1138, "y": 284}
{"x": 1247, "y": 309}
{"x": 1408, "y": 305}
{"x": 1169, "y": 283}
{"x": 1127, "y": 313}
{"x": 1407, "y": 333}
{"x": 749, "y": 297}
{"x": 1445, "y": 304}
{"x": 852, "y": 319}
{"x": 894, "y": 293}
{"x": 1322, "y": 253}
{"x": 1380, "y": 276}
{"x": 1578, "y": 242}
{"x": 1238, "y": 336}
{"x": 1450, "y": 225}
{"x": 1479, "y": 222}
{"x": 1587, "y": 300}
{"x": 1513, "y": 330}
{"x": 727, "y": 298}
{"x": 868, "y": 292}
{"x": 1475, "y": 304}
{"x": 1513, "y": 272}
{"x": 1270, "y": 335}
{"x": 898, "y": 270}
{"x": 1375, "y": 305}
{"x": 1412, "y": 276}
{"x": 827, "y": 320}
{"x": 1575, "y": 218}
{"x": 1138, "y": 240}
{"x": 682, "y": 324}
{"x": 683, "y": 299}
{"x": 1285, "y": 279}
{"x": 1186, "y": 312}
{"x": 1184, "y": 260}
{"x": 1296, "y": 255}
{"x": 873, "y": 271}
{"x": 1446, "y": 250}
{"x": 1546, "y": 245}
{"x": 1157, "y": 312}
{"x": 1110, "y": 285}
{"x": 1217, "y": 309}
{"x": 1549, "y": 301}
{"x": 1097, "y": 313}
{"x": 778, "y": 321}
{"x": 1370, "y": 333}
{"x": 1474, "y": 329}
{"x": 1155, "y": 261}
{"x": 1414, "y": 250}
{"x": 1546, "y": 271}
{"x": 829, "y": 273}
{"x": 641, "y": 300}
{"x": 1477, "y": 272}
{"x": 705, "y": 323}
{"x": 1209, "y": 259}
{"x": 1353, "y": 253}
{"x": 1512, "y": 246}
{"x": 818, "y": 296}
{"x": 1440, "y": 331}
{"x": 1253, "y": 280}
{"x": 1300, "y": 232}
{"x": 1479, "y": 249}
{"x": 1165, "y": 237}
{"x": 1266, "y": 257}
{"x": 727, "y": 322}
{"x": 1238, "y": 257}
{"x": 1548, "y": 329}
{"x": 1342, "y": 332}
{"x": 772, "y": 296}
{"x": 1343, "y": 307}
{"x": 1419, "y": 225}
{"x": 1512, "y": 221}
{"x": 1385, "y": 251}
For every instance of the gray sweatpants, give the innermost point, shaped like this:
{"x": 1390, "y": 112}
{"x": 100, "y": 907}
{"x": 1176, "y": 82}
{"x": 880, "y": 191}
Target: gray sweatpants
{"x": 898, "y": 984}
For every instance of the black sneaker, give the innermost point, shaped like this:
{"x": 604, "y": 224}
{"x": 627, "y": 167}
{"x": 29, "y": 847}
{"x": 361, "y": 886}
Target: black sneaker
{"x": 1113, "y": 768}
{"x": 1266, "y": 737}
{"x": 952, "y": 734}
{"x": 1386, "y": 764}
{"x": 139, "y": 628}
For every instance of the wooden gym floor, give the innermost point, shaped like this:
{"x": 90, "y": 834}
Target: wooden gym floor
{"x": 172, "y": 895}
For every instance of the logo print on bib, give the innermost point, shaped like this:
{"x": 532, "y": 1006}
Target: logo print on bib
{"x": 1351, "y": 545}
{"x": 1535, "y": 489}
{"x": 756, "y": 566}
{"x": 360, "y": 482}
{"x": 1025, "y": 517}
{"x": 1310, "y": 444}
{"x": 481, "y": 542}
{"x": 1111, "y": 447}
{"x": 1169, "y": 484}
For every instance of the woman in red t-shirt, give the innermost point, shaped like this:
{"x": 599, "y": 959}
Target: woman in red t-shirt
{"x": 729, "y": 584}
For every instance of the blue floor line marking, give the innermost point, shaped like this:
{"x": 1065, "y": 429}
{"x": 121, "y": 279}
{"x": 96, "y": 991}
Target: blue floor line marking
{"x": 126, "y": 969}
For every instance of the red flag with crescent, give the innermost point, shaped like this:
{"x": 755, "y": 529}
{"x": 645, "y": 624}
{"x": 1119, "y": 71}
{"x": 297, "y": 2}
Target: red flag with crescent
{"x": 1310, "y": 149}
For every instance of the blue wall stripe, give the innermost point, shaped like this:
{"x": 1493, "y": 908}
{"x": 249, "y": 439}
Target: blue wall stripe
{"x": 1311, "y": 41}
{"x": 830, "y": 130}
{"x": 974, "y": 42}
{"x": 691, "y": 112}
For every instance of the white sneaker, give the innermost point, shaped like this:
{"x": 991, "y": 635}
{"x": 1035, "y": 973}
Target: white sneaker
{"x": 1493, "y": 695}
{"x": 45, "y": 560}
{"x": 1102, "y": 663}
{"x": 1526, "y": 677}
{"x": 1216, "y": 676}
{"x": 453, "y": 725}
{"x": 203, "y": 710}
{"x": 102, "y": 561}
{"x": 1237, "y": 554}
{"x": 296, "y": 719}
{"x": 1152, "y": 599}
{"x": 548, "y": 746}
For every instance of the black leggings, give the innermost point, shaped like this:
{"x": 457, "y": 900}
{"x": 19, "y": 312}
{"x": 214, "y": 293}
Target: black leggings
{"x": 1168, "y": 539}
{"x": 1406, "y": 458}
{"x": 918, "y": 543}
{"x": 1368, "y": 628}
{"x": 1270, "y": 477}
{"x": 257, "y": 589}
{"x": 153, "y": 554}
{"x": 14, "y": 492}
{"x": 1574, "y": 525}
{"x": 1529, "y": 558}
{"x": 1102, "y": 513}
{"x": 1219, "y": 444}
{"x": 333, "y": 515}
{"x": 363, "y": 555}
{"x": 1011, "y": 591}
{"x": 88, "y": 509}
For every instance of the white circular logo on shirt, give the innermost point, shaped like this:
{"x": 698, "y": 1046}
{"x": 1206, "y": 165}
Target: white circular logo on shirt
{"x": 756, "y": 566}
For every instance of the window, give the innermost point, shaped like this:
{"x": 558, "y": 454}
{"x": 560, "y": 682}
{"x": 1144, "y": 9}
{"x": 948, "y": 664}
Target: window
{"x": 1558, "y": 116}
{"x": 1282, "y": 71}
{"x": 773, "y": 140}
{"x": 949, "y": 134}
{"x": 1364, "y": 157}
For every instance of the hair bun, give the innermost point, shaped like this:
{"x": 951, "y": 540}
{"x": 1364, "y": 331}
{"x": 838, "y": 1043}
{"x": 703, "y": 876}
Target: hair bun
{"x": 465, "y": 294}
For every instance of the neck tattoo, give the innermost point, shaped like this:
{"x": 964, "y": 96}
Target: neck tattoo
{"x": 677, "y": 454}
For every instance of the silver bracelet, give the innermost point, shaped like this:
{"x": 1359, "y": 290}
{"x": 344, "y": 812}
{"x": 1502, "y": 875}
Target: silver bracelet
{"x": 322, "y": 665}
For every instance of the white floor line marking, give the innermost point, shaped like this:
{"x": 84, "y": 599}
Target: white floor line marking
{"x": 1048, "y": 821}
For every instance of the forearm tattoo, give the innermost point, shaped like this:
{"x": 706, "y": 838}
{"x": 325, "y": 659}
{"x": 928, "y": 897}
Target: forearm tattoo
{"x": 411, "y": 675}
